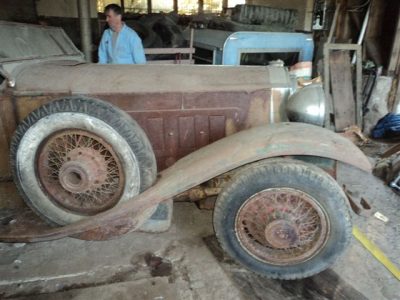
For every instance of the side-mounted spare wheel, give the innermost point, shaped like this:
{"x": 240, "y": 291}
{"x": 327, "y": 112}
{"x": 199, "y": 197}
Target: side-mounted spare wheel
{"x": 283, "y": 219}
{"x": 77, "y": 157}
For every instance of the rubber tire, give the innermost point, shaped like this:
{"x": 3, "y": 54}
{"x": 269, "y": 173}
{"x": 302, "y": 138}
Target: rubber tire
{"x": 128, "y": 135}
{"x": 283, "y": 173}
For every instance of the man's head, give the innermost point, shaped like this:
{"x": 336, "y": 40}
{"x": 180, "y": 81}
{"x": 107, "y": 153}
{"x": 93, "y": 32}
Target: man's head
{"x": 113, "y": 14}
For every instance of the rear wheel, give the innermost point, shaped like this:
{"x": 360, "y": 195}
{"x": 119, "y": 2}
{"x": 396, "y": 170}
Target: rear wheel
{"x": 77, "y": 157}
{"x": 283, "y": 219}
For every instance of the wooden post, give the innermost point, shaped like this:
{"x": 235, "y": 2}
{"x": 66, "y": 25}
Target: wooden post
{"x": 395, "y": 55}
{"x": 224, "y": 5}
{"x": 372, "y": 37}
{"x": 149, "y": 6}
{"x": 191, "y": 44}
{"x": 333, "y": 25}
{"x": 201, "y": 6}
{"x": 8, "y": 125}
{"x": 175, "y": 6}
{"x": 85, "y": 29}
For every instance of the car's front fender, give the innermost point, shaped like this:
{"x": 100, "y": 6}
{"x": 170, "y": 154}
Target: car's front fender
{"x": 281, "y": 139}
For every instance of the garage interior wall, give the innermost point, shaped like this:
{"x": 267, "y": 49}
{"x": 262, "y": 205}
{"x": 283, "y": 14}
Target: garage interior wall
{"x": 63, "y": 8}
{"x": 18, "y": 11}
{"x": 304, "y": 7}
{"x": 64, "y": 13}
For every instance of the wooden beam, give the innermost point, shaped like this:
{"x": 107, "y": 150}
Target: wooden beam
{"x": 308, "y": 15}
{"x": 171, "y": 62}
{"x": 333, "y": 25}
{"x": 394, "y": 96}
{"x": 169, "y": 50}
{"x": 201, "y": 6}
{"x": 342, "y": 90}
{"x": 374, "y": 31}
{"x": 342, "y": 26}
{"x": 149, "y": 6}
{"x": 327, "y": 80}
{"x": 224, "y": 5}
{"x": 375, "y": 24}
{"x": 394, "y": 62}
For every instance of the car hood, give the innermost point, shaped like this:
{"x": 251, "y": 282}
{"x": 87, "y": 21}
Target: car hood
{"x": 83, "y": 78}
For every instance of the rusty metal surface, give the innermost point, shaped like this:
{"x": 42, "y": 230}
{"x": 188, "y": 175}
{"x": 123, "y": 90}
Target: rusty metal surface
{"x": 179, "y": 113}
{"x": 281, "y": 226}
{"x": 222, "y": 156}
{"x": 180, "y": 123}
{"x": 122, "y": 79}
{"x": 208, "y": 189}
{"x": 80, "y": 172}
{"x": 18, "y": 221}
{"x": 7, "y": 127}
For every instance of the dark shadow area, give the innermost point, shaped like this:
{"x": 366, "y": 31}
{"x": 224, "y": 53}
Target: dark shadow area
{"x": 325, "y": 285}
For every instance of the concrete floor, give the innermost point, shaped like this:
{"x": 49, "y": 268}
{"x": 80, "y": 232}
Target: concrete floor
{"x": 187, "y": 263}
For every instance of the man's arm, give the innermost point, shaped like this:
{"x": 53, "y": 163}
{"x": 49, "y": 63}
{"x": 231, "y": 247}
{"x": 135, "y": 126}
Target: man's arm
{"x": 137, "y": 50}
{"x": 103, "y": 50}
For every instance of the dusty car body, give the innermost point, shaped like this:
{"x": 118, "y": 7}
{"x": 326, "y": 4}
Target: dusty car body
{"x": 186, "y": 110}
{"x": 200, "y": 122}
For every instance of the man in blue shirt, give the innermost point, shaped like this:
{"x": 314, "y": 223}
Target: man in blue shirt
{"x": 119, "y": 43}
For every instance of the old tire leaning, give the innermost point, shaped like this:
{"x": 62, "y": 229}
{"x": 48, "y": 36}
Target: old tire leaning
{"x": 283, "y": 219}
{"x": 75, "y": 157}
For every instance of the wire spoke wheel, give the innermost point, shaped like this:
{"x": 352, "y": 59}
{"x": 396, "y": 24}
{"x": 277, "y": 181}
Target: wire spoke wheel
{"x": 76, "y": 157}
{"x": 282, "y": 218}
{"x": 80, "y": 171}
{"x": 281, "y": 226}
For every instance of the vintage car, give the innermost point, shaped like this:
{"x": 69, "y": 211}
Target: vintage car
{"x": 100, "y": 150}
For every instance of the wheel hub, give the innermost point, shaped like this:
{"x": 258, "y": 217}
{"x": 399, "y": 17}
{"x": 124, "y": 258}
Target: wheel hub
{"x": 83, "y": 170}
{"x": 281, "y": 234}
{"x": 74, "y": 177}
{"x": 80, "y": 171}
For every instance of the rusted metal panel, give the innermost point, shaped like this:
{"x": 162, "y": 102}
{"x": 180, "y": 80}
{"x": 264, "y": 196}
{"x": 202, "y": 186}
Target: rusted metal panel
{"x": 12, "y": 111}
{"x": 171, "y": 142}
{"x": 202, "y": 117}
{"x": 134, "y": 101}
{"x": 7, "y": 128}
{"x": 24, "y": 105}
{"x": 179, "y": 123}
{"x": 5, "y": 171}
{"x": 186, "y": 132}
{"x": 202, "y": 130}
{"x": 176, "y": 133}
{"x": 7, "y": 115}
{"x": 155, "y": 129}
{"x": 217, "y": 127}
{"x": 220, "y": 157}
